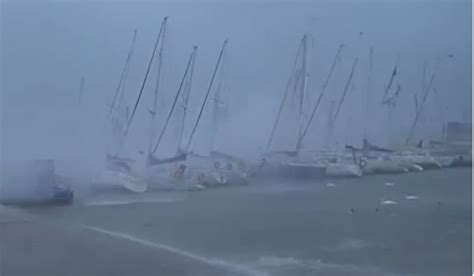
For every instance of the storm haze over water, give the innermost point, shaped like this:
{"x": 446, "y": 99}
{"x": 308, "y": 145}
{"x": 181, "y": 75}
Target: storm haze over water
{"x": 48, "y": 46}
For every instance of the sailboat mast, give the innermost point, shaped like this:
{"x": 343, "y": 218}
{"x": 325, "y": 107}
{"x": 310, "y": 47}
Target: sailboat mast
{"x": 346, "y": 88}
{"x": 129, "y": 123}
{"x": 122, "y": 90}
{"x": 442, "y": 109}
{"x": 293, "y": 75}
{"x": 153, "y": 111}
{"x": 217, "y": 103}
{"x": 390, "y": 82}
{"x": 186, "y": 94}
{"x": 329, "y": 124}
{"x": 305, "y": 75}
{"x": 326, "y": 81}
{"x": 207, "y": 95}
{"x": 420, "y": 109}
{"x": 368, "y": 91}
{"x": 123, "y": 75}
{"x": 191, "y": 57}
{"x": 297, "y": 92}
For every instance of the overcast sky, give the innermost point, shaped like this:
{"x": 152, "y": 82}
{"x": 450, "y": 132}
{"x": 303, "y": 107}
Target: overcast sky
{"x": 47, "y": 46}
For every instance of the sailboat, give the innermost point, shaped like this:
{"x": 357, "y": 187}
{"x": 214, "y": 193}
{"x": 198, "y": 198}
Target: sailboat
{"x": 231, "y": 168}
{"x": 188, "y": 170}
{"x": 378, "y": 160}
{"x": 291, "y": 163}
{"x": 328, "y": 162}
{"x": 343, "y": 164}
{"x": 375, "y": 159}
{"x": 220, "y": 169}
{"x": 173, "y": 173}
{"x": 416, "y": 154}
{"x": 117, "y": 116}
{"x": 118, "y": 169}
{"x": 445, "y": 151}
{"x": 129, "y": 173}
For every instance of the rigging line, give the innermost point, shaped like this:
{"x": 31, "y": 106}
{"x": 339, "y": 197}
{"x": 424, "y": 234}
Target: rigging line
{"x": 123, "y": 74}
{"x": 303, "y": 93}
{"x": 369, "y": 89}
{"x": 146, "y": 77}
{"x": 326, "y": 81}
{"x": 346, "y": 88}
{"x": 418, "y": 113}
{"x": 175, "y": 100}
{"x": 390, "y": 82}
{"x": 187, "y": 92}
{"x": 155, "y": 91}
{"x": 218, "y": 95}
{"x": 207, "y": 96}
{"x": 122, "y": 91}
{"x": 158, "y": 73}
{"x": 285, "y": 95}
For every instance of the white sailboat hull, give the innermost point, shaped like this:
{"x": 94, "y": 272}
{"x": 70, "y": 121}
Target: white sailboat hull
{"x": 376, "y": 166}
{"x": 115, "y": 179}
{"x": 343, "y": 170}
{"x": 423, "y": 160}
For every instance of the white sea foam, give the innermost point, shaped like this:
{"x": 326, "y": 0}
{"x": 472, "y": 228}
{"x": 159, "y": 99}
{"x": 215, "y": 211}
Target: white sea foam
{"x": 388, "y": 202}
{"x": 241, "y": 269}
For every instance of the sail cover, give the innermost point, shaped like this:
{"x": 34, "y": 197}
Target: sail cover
{"x": 153, "y": 161}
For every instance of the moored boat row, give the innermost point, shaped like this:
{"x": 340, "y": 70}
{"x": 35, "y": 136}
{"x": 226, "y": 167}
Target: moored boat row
{"x": 186, "y": 170}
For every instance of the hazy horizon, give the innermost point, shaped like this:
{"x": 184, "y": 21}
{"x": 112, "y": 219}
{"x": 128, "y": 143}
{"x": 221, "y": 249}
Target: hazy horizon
{"x": 47, "y": 46}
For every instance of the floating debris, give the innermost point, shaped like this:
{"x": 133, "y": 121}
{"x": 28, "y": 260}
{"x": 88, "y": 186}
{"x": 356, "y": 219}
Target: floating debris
{"x": 331, "y": 185}
{"x": 389, "y": 184}
{"x": 411, "y": 197}
{"x": 388, "y": 202}
{"x": 200, "y": 187}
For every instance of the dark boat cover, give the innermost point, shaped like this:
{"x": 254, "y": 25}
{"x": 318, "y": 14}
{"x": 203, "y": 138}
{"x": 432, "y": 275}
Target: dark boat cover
{"x": 153, "y": 161}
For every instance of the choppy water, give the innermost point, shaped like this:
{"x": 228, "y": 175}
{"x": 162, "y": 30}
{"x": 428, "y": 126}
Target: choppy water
{"x": 303, "y": 228}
